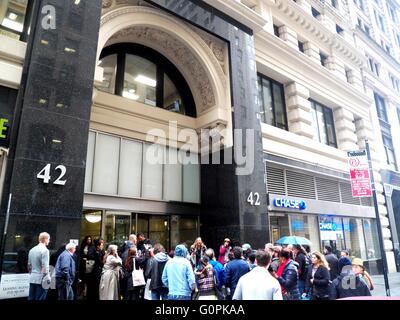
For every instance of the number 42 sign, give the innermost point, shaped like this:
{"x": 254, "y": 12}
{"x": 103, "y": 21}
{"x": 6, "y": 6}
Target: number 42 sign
{"x": 44, "y": 174}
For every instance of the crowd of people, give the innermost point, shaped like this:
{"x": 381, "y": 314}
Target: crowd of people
{"x": 141, "y": 270}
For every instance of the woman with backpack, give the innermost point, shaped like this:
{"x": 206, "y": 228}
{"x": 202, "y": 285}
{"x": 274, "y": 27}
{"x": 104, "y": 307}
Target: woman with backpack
{"x": 318, "y": 277}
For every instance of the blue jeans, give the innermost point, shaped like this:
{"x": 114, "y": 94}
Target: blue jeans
{"x": 174, "y": 297}
{"x": 36, "y": 292}
{"x": 64, "y": 289}
{"x": 162, "y": 293}
{"x": 301, "y": 284}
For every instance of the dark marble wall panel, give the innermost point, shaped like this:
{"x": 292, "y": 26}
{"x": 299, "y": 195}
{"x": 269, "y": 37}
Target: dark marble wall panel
{"x": 56, "y": 111}
{"x": 224, "y": 205}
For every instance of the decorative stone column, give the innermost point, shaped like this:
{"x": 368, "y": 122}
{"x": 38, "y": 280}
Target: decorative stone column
{"x": 289, "y": 36}
{"x": 299, "y": 110}
{"x": 345, "y": 129}
{"x": 337, "y": 67}
{"x": 312, "y": 51}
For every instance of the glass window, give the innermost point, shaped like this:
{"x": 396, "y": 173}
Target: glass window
{"x": 191, "y": 180}
{"x": 371, "y": 239}
{"x": 140, "y": 80}
{"x": 12, "y": 17}
{"x": 153, "y": 159}
{"x": 141, "y": 74}
{"x": 398, "y": 113}
{"x": 172, "y": 99}
{"x": 324, "y": 128}
{"x": 105, "y": 173}
{"x": 109, "y": 65}
{"x": 323, "y": 59}
{"x": 130, "y": 168}
{"x": 172, "y": 177}
{"x": 89, "y": 162}
{"x": 272, "y": 105}
{"x": 183, "y": 230}
{"x": 305, "y": 226}
{"x": 331, "y": 230}
{"x": 354, "y": 237}
{"x": 380, "y": 107}
{"x": 390, "y": 157}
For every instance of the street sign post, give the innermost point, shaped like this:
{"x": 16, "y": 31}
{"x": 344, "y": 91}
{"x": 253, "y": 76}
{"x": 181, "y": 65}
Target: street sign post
{"x": 378, "y": 221}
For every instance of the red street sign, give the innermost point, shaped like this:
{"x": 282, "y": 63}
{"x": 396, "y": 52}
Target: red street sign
{"x": 359, "y": 174}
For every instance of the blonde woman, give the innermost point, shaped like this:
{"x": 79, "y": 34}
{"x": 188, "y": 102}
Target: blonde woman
{"x": 197, "y": 251}
{"x": 109, "y": 282}
{"x": 359, "y": 270}
{"x": 318, "y": 277}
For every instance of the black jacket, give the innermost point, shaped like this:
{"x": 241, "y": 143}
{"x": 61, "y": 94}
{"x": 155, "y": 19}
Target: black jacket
{"x": 156, "y": 271}
{"x": 139, "y": 263}
{"x": 288, "y": 280}
{"x": 348, "y": 285}
{"x": 320, "y": 285}
{"x": 333, "y": 265}
{"x": 301, "y": 259}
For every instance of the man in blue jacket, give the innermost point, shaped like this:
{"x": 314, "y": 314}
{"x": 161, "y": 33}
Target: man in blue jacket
{"x": 178, "y": 275}
{"x": 234, "y": 270}
{"x": 65, "y": 272}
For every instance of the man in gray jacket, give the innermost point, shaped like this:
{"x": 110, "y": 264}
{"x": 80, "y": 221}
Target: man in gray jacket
{"x": 38, "y": 267}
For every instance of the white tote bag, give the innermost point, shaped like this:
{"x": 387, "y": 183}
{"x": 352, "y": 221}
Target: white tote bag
{"x": 137, "y": 276}
{"x": 147, "y": 291}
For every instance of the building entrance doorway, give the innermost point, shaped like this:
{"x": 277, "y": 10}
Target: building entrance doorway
{"x": 116, "y": 226}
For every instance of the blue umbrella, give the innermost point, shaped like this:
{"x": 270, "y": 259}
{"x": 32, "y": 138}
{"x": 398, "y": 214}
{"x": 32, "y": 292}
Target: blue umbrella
{"x": 294, "y": 240}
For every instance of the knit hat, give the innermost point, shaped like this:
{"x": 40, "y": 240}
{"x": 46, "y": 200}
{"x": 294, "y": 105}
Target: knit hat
{"x": 343, "y": 261}
{"x": 357, "y": 262}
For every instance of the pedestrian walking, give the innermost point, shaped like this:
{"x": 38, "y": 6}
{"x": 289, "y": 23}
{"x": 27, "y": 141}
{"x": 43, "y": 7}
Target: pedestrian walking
{"x": 205, "y": 280}
{"x": 218, "y": 268}
{"x": 86, "y": 263}
{"x": 65, "y": 272}
{"x": 38, "y": 267}
{"x": 109, "y": 282}
{"x": 95, "y": 276}
{"x": 178, "y": 276}
{"x": 224, "y": 251}
{"x": 361, "y": 272}
{"x": 197, "y": 251}
{"x": 234, "y": 270}
{"x": 318, "y": 278}
{"x": 275, "y": 252}
{"x": 287, "y": 276}
{"x": 332, "y": 261}
{"x": 158, "y": 289}
{"x": 258, "y": 284}
{"x": 133, "y": 262}
{"x": 304, "y": 263}
{"x": 347, "y": 284}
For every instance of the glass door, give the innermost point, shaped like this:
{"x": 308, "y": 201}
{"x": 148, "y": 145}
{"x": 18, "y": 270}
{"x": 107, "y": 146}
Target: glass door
{"x": 117, "y": 227}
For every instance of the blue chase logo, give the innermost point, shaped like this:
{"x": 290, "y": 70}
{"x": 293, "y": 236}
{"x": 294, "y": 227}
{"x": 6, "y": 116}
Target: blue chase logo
{"x": 290, "y": 203}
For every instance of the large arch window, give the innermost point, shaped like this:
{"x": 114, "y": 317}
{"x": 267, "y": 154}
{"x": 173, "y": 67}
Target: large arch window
{"x": 139, "y": 73}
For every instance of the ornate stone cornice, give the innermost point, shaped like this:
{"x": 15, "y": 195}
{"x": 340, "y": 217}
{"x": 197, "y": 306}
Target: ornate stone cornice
{"x": 315, "y": 28}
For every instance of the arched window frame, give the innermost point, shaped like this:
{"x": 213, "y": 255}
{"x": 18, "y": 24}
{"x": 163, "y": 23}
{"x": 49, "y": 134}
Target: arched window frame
{"x": 163, "y": 65}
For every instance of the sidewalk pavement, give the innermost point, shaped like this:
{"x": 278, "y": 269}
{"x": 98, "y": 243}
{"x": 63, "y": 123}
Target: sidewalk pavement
{"x": 394, "y": 285}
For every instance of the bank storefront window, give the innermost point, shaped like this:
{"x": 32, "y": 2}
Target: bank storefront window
{"x": 305, "y": 226}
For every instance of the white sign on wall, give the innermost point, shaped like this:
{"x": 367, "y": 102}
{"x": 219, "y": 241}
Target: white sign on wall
{"x": 14, "y": 286}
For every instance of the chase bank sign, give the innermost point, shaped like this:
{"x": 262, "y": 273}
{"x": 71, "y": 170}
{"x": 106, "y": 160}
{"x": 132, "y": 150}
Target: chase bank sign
{"x": 290, "y": 203}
